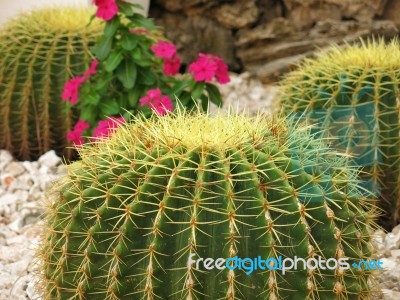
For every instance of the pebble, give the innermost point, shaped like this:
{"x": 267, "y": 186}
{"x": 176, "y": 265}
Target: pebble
{"x": 22, "y": 187}
{"x": 244, "y": 93}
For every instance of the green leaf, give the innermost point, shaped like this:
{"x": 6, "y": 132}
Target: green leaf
{"x": 133, "y": 96}
{"x": 111, "y": 27}
{"x": 109, "y": 108}
{"x": 141, "y": 21}
{"x": 88, "y": 114}
{"x": 214, "y": 94}
{"x": 113, "y": 61}
{"x": 198, "y": 91}
{"x": 128, "y": 114}
{"x": 184, "y": 99}
{"x": 127, "y": 73}
{"x": 146, "y": 76}
{"x": 137, "y": 54}
{"x": 204, "y": 102}
{"x": 129, "y": 41}
{"x": 179, "y": 87}
{"x": 126, "y": 8}
{"x": 137, "y": 5}
{"x": 102, "y": 82}
{"x": 92, "y": 98}
{"x": 92, "y": 17}
{"x": 103, "y": 47}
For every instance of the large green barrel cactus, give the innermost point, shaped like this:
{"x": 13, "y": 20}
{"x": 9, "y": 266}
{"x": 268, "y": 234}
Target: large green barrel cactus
{"x": 39, "y": 52}
{"x": 135, "y": 209}
{"x": 352, "y": 93}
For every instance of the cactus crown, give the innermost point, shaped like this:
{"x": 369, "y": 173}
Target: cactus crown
{"x": 199, "y": 130}
{"x": 367, "y": 54}
{"x": 54, "y": 20}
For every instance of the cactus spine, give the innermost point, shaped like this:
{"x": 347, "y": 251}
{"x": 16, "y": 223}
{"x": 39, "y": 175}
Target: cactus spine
{"x": 39, "y": 52}
{"x": 352, "y": 93}
{"x": 132, "y": 211}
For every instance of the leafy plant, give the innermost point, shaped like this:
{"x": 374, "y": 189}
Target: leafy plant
{"x": 132, "y": 212}
{"x": 135, "y": 72}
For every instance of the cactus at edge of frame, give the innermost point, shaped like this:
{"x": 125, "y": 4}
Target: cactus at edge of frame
{"x": 351, "y": 94}
{"x": 39, "y": 52}
{"x": 128, "y": 216}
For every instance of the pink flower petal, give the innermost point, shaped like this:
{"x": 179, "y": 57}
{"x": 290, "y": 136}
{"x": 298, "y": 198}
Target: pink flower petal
{"x": 164, "y": 50}
{"x": 92, "y": 69}
{"x": 106, "y": 127}
{"x": 172, "y": 66}
{"x": 106, "y": 9}
{"x": 161, "y": 104}
{"x": 81, "y": 126}
{"x": 154, "y": 93}
{"x": 71, "y": 89}
{"x": 208, "y": 66}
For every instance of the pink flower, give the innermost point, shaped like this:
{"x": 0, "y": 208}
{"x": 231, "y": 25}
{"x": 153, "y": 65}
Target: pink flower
{"x": 92, "y": 69}
{"x": 106, "y": 127}
{"x": 164, "y": 106}
{"x": 76, "y": 138}
{"x": 81, "y": 125}
{"x": 76, "y": 134}
{"x": 203, "y": 69}
{"x": 164, "y": 50}
{"x": 71, "y": 89}
{"x": 172, "y": 66}
{"x": 208, "y": 66}
{"x": 160, "y": 103}
{"x": 222, "y": 74}
{"x": 106, "y": 9}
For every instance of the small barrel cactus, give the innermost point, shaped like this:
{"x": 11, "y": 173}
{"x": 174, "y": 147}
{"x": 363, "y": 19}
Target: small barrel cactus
{"x": 134, "y": 211}
{"x": 351, "y": 95}
{"x": 39, "y": 52}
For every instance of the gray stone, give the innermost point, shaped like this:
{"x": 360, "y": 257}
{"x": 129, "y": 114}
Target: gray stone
{"x": 378, "y": 240}
{"x": 17, "y": 224}
{"x": 392, "y": 12}
{"x": 14, "y": 169}
{"x": 389, "y": 263}
{"x": 395, "y": 253}
{"x": 305, "y": 13}
{"x": 270, "y": 51}
{"x": 19, "y": 287}
{"x": 8, "y": 199}
{"x": 5, "y": 159}
{"x": 32, "y": 167}
{"x": 49, "y": 159}
{"x": 237, "y": 15}
{"x": 19, "y": 267}
{"x": 392, "y": 239}
{"x": 390, "y": 295}
{"x": 199, "y": 34}
{"x": 31, "y": 291}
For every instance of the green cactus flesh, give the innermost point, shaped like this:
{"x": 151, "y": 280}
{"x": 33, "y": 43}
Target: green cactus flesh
{"x": 39, "y": 52}
{"x": 133, "y": 210}
{"x": 352, "y": 94}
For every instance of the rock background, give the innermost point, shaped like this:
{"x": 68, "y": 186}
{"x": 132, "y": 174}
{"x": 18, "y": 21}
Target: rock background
{"x": 267, "y": 37}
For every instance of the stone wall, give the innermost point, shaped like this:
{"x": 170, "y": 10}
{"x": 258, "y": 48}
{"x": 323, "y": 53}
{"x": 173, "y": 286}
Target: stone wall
{"x": 267, "y": 37}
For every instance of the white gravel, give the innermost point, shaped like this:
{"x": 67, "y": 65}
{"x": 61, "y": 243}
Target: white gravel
{"x": 22, "y": 187}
